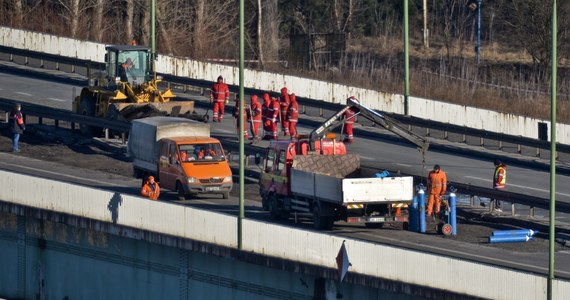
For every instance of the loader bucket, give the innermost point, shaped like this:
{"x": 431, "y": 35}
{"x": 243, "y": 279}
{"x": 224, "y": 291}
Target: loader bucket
{"x": 132, "y": 111}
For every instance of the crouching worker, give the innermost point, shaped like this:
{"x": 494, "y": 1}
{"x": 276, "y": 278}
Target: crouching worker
{"x": 150, "y": 189}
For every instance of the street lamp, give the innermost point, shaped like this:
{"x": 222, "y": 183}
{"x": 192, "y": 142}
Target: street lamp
{"x": 476, "y": 5}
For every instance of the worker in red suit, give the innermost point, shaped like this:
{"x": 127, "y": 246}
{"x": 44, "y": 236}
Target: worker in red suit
{"x": 284, "y": 104}
{"x": 255, "y": 117}
{"x": 293, "y": 114}
{"x": 264, "y": 114}
{"x": 349, "y": 117}
{"x": 236, "y": 113}
{"x": 220, "y": 96}
{"x": 271, "y": 119}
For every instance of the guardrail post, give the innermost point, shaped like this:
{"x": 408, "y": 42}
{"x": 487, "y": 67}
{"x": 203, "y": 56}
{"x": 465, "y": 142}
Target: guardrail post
{"x": 41, "y": 63}
{"x": 321, "y": 112}
{"x": 40, "y": 120}
{"x": 57, "y": 66}
{"x": 491, "y": 205}
{"x": 445, "y": 135}
{"x": 482, "y": 142}
{"x": 427, "y": 131}
{"x": 513, "y": 209}
{"x": 25, "y": 61}
{"x": 464, "y": 138}
{"x": 72, "y": 68}
{"x": 56, "y": 123}
{"x": 72, "y": 126}
{"x": 531, "y": 211}
{"x": 106, "y": 133}
{"x": 519, "y": 149}
{"x": 471, "y": 200}
{"x": 304, "y": 109}
{"x": 123, "y": 137}
{"x": 500, "y": 145}
{"x": 11, "y": 59}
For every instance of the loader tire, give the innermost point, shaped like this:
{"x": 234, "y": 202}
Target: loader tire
{"x": 273, "y": 204}
{"x": 87, "y": 108}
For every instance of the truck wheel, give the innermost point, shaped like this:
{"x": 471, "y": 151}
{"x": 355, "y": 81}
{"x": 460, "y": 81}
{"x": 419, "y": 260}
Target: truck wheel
{"x": 320, "y": 221}
{"x": 87, "y": 108}
{"x": 180, "y": 191}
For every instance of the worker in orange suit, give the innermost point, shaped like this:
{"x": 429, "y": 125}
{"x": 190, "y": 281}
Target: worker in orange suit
{"x": 349, "y": 117}
{"x": 437, "y": 186}
{"x": 236, "y": 114}
{"x": 273, "y": 112}
{"x": 219, "y": 96}
{"x": 284, "y": 101}
{"x": 499, "y": 180}
{"x": 266, "y": 116}
{"x": 255, "y": 116}
{"x": 293, "y": 114}
{"x": 150, "y": 189}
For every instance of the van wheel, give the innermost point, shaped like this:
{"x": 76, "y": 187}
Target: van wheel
{"x": 320, "y": 221}
{"x": 180, "y": 191}
{"x": 226, "y": 195}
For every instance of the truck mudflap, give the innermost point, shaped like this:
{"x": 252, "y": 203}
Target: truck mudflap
{"x": 376, "y": 219}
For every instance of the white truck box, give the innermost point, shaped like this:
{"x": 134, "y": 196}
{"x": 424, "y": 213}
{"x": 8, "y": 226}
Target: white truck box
{"x": 145, "y": 133}
{"x": 323, "y": 177}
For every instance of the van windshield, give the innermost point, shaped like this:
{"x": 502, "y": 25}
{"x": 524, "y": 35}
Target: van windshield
{"x": 201, "y": 152}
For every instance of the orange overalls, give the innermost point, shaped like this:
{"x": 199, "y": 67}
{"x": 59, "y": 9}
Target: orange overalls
{"x": 437, "y": 186}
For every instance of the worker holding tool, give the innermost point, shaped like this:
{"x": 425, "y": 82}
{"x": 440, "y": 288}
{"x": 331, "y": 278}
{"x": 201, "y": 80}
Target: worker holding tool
{"x": 255, "y": 117}
{"x": 499, "y": 180}
{"x": 219, "y": 96}
{"x": 437, "y": 186}
{"x": 273, "y": 117}
{"x": 284, "y": 101}
{"x": 150, "y": 189}
{"x": 236, "y": 114}
{"x": 293, "y": 115}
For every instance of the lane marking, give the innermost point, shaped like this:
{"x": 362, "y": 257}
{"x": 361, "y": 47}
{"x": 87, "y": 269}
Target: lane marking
{"x": 519, "y": 186}
{"x": 482, "y": 258}
{"x": 62, "y": 175}
{"x": 402, "y": 165}
{"x": 22, "y": 93}
{"x": 366, "y": 157}
{"x": 56, "y": 99}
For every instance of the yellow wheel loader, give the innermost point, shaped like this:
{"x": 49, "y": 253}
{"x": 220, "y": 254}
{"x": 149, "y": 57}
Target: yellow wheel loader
{"x": 128, "y": 89}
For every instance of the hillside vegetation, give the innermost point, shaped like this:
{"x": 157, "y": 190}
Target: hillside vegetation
{"x": 356, "y": 42}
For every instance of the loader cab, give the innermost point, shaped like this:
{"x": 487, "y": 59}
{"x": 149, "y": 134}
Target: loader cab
{"x": 128, "y": 64}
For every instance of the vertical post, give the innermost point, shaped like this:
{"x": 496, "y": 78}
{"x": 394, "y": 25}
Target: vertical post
{"x": 406, "y": 62}
{"x": 551, "y": 236}
{"x": 153, "y": 30}
{"x": 426, "y": 33}
{"x": 241, "y": 123}
{"x": 422, "y": 210}
{"x": 453, "y": 213}
{"x": 478, "y": 30}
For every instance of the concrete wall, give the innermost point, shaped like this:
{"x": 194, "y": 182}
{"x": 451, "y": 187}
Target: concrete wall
{"x": 304, "y": 87}
{"x": 278, "y": 241}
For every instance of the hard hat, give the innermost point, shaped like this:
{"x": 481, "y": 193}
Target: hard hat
{"x": 254, "y": 98}
{"x": 149, "y": 178}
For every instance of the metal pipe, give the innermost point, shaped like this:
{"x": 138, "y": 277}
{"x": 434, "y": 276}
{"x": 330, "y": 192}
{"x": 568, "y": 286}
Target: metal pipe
{"x": 478, "y": 30}
{"x": 421, "y": 196}
{"x": 528, "y": 232}
{"x": 551, "y": 233}
{"x": 406, "y": 62}
{"x": 510, "y": 238}
{"x": 453, "y": 213}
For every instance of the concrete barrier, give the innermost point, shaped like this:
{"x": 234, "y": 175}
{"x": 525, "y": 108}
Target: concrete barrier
{"x": 309, "y": 247}
{"x": 314, "y": 89}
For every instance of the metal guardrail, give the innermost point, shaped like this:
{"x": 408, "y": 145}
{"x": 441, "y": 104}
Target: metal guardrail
{"x": 29, "y": 109}
{"x": 123, "y": 127}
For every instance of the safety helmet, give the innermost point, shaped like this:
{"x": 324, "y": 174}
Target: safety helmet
{"x": 150, "y": 178}
{"x": 253, "y": 98}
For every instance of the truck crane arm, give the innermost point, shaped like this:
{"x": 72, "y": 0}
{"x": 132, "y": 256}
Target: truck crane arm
{"x": 375, "y": 117}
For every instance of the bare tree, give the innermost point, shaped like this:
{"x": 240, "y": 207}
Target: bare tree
{"x": 259, "y": 39}
{"x": 98, "y": 16}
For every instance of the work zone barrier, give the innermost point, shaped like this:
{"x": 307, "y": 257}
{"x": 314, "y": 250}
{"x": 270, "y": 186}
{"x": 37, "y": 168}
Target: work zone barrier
{"x": 457, "y": 115}
{"x": 311, "y": 248}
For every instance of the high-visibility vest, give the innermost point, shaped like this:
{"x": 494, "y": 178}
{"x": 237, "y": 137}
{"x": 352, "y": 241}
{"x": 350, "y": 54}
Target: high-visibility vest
{"x": 500, "y": 177}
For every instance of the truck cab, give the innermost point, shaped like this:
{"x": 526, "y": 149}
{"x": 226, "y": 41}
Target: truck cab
{"x": 127, "y": 63}
{"x": 194, "y": 165}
